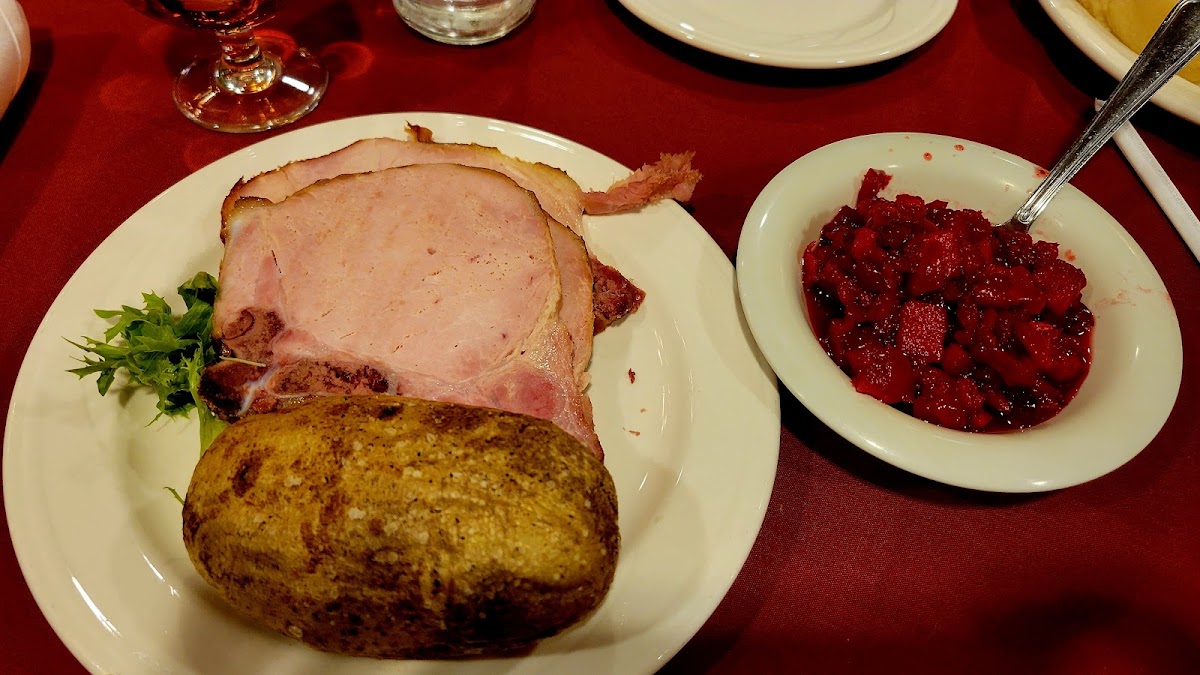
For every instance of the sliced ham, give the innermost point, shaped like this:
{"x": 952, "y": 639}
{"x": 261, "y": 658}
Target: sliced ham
{"x": 438, "y": 281}
{"x": 558, "y": 194}
{"x": 672, "y": 177}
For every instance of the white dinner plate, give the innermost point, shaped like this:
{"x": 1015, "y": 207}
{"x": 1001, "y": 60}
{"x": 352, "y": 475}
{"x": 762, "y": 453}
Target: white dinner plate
{"x": 1137, "y": 352}
{"x": 799, "y": 33}
{"x": 1177, "y": 96}
{"x": 687, "y": 411}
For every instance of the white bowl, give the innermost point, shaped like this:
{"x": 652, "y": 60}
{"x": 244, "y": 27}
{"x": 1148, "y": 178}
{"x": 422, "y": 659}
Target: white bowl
{"x": 14, "y": 51}
{"x": 1094, "y": 39}
{"x": 1137, "y": 353}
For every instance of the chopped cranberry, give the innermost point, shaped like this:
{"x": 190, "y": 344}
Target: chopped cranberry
{"x": 895, "y": 234}
{"x": 1063, "y": 284}
{"x": 1053, "y": 353}
{"x": 1016, "y": 248}
{"x": 939, "y": 313}
{"x": 1001, "y": 286}
{"x": 936, "y": 261}
{"x": 1044, "y": 253}
{"x": 883, "y": 372}
{"x": 841, "y": 228}
{"x": 955, "y": 403}
{"x": 911, "y": 208}
{"x": 873, "y": 183}
{"x": 864, "y": 246}
{"x": 1016, "y": 371}
{"x": 956, "y": 360}
{"x": 1078, "y": 321}
{"x": 922, "y": 332}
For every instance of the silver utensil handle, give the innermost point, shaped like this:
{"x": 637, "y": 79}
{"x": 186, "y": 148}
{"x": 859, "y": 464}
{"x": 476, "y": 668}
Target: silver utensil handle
{"x": 1175, "y": 43}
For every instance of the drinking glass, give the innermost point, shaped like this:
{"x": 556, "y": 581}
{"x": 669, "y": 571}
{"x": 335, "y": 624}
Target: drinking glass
{"x": 464, "y": 22}
{"x": 252, "y": 83}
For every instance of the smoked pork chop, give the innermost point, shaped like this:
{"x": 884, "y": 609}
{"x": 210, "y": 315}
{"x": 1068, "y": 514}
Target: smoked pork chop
{"x": 436, "y": 281}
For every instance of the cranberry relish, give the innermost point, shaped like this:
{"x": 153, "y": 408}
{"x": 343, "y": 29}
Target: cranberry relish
{"x": 946, "y": 317}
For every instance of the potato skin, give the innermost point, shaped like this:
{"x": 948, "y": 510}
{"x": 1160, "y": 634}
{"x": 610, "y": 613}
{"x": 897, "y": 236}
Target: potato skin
{"x": 399, "y": 528}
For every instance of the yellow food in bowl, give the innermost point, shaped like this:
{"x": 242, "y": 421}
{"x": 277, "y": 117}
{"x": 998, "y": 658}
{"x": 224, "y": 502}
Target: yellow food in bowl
{"x": 1133, "y": 22}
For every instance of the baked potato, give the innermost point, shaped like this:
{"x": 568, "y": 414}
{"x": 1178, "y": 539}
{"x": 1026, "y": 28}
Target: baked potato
{"x": 392, "y": 527}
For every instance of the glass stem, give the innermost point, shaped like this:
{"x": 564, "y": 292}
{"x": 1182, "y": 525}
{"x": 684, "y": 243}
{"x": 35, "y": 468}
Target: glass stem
{"x": 244, "y": 68}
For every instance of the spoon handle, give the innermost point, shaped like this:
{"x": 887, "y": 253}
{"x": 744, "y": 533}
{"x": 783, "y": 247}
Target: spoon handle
{"x": 1175, "y": 43}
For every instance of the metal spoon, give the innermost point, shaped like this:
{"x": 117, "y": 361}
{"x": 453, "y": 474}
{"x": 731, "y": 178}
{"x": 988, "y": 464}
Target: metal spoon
{"x": 1175, "y": 43}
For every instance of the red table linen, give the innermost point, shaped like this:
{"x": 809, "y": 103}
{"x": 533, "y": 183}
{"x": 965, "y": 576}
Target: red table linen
{"x": 860, "y": 567}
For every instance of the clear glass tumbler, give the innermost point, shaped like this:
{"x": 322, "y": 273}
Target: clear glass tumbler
{"x": 464, "y": 22}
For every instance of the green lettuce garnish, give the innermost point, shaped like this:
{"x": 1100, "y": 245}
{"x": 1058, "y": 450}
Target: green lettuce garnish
{"x": 160, "y": 350}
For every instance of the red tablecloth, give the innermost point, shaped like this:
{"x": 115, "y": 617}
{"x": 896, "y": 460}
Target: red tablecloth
{"x": 860, "y": 567}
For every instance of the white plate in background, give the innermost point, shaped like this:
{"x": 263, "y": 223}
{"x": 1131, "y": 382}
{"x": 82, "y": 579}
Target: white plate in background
{"x": 799, "y": 33}
{"x": 686, "y": 408}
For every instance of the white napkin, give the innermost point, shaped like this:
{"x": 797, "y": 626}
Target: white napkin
{"x": 1159, "y": 184}
{"x": 14, "y": 50}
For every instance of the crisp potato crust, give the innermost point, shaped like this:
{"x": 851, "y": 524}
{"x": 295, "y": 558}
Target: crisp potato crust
{"x": 398, "y": 528}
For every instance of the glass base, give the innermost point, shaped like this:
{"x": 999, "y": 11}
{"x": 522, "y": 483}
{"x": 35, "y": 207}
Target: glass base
{"x": 299, "y": 83}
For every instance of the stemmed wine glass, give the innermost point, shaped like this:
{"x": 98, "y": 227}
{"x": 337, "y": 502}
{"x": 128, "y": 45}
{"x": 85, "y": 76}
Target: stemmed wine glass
{"x": 253, "y": 83}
